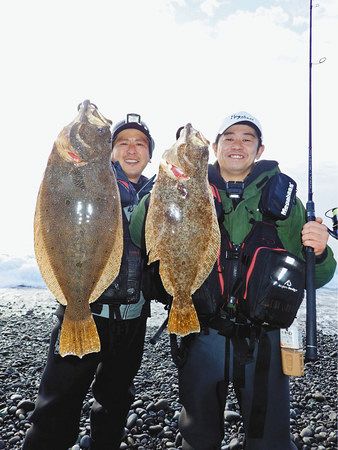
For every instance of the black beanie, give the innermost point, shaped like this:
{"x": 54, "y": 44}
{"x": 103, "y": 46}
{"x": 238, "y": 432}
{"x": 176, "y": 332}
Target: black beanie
{"x": 134, "y": 121}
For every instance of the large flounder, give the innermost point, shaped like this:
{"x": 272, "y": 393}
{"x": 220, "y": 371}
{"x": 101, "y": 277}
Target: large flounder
{"x": 78, "y": 225}
{"x": 181, "y": 229}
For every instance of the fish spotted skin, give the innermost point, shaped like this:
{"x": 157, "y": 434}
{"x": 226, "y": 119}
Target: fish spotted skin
{"x": 78, "y": 225}
{"x": 181, "y": 229}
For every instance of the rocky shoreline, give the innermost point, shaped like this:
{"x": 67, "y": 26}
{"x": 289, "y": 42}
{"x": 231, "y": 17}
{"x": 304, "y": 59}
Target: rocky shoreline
{"x": 152, "y": 421}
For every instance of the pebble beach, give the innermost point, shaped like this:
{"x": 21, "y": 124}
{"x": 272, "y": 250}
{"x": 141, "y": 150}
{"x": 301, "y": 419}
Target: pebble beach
{"x": 26, "y": 319}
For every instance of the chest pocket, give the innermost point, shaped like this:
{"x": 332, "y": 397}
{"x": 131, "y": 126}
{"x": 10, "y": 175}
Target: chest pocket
{"x": 271, "y": 286}
{"x": 126, "y": 287}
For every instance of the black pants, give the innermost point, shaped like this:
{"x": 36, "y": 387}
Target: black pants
{"x": 202, "y": 394}
{"x": 66, "y": 380}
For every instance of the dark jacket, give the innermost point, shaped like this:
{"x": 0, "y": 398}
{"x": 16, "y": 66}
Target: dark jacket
{"x": 125, "y": 289}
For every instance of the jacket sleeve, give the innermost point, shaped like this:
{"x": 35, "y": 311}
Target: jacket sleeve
{"x": 289, "y": 231}
{"x": 137, "y": 223}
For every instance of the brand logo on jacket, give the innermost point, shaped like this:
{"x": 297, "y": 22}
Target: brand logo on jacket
{"x": 285, "y": 208}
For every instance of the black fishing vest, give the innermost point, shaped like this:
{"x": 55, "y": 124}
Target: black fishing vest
{"x": 126, "y": 287}
{"x": 257, "y": 279}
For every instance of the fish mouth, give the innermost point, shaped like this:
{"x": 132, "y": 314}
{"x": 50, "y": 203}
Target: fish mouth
{"x": 93, "y": 115}
{"x": 200, "y": 139}
{"x": 173, "y": 171}
{"x": 189, "y": 132}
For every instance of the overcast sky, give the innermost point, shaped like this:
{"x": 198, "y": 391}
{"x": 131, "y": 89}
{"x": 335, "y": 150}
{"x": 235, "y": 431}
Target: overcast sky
{"x": 172, "y": 61}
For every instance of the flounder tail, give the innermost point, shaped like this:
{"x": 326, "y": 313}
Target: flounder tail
{"x": 183, "y": 321}
{"x": 79, "y": 337}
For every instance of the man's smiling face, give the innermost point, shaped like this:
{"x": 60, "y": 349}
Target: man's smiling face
{"x": 131, "y": 150}
{"x": 236, "y": 151}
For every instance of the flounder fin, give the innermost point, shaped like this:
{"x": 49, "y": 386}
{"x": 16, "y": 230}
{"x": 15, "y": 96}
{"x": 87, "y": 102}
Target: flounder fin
{"x": 167, "y": 282}
{"x": 183, "y": 321}
{"x": 42, "y": 257}
{"x": 210, "y": 255}
{"x": 153, "y": 256}
{"x": 152, "y": 239}
{"x": 79, "y": 337}
{"x": 113, "y": 264}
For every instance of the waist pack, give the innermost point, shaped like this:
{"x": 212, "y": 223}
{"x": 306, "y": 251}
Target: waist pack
{"x": 271, "y": 288}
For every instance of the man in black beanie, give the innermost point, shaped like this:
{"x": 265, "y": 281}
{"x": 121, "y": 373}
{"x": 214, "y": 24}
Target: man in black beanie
{"x": 120, "y": 315}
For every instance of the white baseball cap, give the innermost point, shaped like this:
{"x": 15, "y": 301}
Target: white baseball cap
{"x": 241, "y": 116}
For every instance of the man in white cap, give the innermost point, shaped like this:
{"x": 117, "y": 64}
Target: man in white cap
{"x": 229, "y": 348}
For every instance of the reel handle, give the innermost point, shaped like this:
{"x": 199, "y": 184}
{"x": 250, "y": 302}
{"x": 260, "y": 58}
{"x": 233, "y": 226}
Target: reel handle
{"x": 333, "y": 215}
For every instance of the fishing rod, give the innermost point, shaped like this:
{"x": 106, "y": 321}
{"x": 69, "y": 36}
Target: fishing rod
{"x": 311, "y": 313}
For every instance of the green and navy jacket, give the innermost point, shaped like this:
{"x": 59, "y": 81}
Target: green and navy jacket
{"x": 237, "y": 219}
{"x": 130, "y": 195}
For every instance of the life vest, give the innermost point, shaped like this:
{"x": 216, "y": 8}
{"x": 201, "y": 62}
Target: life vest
{"x": 258, "y": 279}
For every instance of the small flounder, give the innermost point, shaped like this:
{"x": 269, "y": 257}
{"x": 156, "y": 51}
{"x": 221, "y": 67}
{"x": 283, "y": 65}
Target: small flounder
{"x": 181, "y": 229}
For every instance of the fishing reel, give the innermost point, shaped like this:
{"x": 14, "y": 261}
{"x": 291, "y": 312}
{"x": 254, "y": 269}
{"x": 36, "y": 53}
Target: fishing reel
{"x": 333, "y": 215}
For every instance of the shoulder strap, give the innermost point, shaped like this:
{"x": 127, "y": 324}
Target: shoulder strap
{"x": 218, "y": 202}
{"x": 124, "y": 183}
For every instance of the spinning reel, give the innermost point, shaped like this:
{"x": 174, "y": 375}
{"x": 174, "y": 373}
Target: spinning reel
{"x": 333, "y": 215}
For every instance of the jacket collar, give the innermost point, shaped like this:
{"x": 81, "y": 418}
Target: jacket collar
{"x": 261, "y": 170}
{"x": 131, "y": 193}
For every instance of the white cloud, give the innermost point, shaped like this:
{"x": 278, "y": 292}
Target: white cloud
{"x": 299, "y": 21}
{"x": 134, "y": 56}
{"x": 173, "y": 3}
{"x": 209, "y": 7}
{"x": 275, "y": 14}
{"x": 16, "y": 271}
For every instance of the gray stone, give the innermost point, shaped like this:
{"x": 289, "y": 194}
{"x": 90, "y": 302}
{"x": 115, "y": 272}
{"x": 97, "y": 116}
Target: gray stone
{"x": 131, "y": 420}
{"x": 85, "y": 441}
{"x": 231, "y": 416}
{"x": 306, "y": 432}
